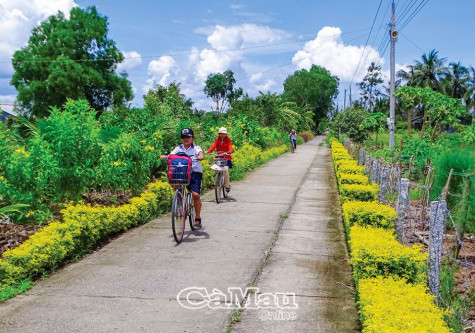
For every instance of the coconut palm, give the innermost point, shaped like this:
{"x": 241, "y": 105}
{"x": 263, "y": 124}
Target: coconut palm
{"x": 456, "y": 82}
{"x": 429, "y": 71}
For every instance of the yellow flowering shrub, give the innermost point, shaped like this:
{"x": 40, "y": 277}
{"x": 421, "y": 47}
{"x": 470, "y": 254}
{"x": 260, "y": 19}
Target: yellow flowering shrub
{"x": 351, "y": 168}
{"x": 368, "y": 213}
{"x": 388, "y": 305}
{"x": 338, "y": 163}
{"x": 375, "y": 252}
{"x": 357, "y": 192}
{"x": 348, "y": 178}
{"x": 82, "y": 228}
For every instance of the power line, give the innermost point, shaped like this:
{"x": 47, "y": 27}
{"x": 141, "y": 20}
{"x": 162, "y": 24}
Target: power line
{"x": 199, "y": 52}
{"x": 361, "y": 57}
{"x": 414, "y": 13}
{"x": 411, "y": 42}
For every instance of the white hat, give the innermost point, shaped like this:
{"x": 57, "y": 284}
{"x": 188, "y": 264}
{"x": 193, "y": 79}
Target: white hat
{"x": 222, "y": 130}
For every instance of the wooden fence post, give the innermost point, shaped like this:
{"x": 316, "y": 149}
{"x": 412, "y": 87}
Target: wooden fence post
{"x": 438, "y": 211}
{"x": 401, "y": 207}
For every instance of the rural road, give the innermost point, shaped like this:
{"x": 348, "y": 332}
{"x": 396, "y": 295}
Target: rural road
{"x": 280, "y": 232}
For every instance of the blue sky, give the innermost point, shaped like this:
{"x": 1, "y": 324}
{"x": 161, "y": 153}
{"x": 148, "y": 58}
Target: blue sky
{"x": 263, "y": 42}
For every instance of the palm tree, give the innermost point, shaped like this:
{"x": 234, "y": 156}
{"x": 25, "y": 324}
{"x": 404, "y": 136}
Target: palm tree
{"x": 469, "y": 96}
{"x": 429, "y": 72}
{"x": 456, "y": 82}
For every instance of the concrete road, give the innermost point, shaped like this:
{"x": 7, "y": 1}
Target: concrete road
{"x": 279, "y": 230}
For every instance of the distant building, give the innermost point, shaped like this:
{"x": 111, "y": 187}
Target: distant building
{"x": 4, "y": 115}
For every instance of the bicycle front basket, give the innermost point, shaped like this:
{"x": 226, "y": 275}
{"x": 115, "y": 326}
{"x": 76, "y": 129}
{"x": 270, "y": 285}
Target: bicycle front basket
{"x": 179, "y": 170}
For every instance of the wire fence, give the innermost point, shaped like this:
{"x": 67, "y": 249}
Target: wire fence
{"x": 421, "y": 220}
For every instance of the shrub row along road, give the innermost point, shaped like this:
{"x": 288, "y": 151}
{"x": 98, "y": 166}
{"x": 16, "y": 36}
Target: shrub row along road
{"x": 279, "y": 231}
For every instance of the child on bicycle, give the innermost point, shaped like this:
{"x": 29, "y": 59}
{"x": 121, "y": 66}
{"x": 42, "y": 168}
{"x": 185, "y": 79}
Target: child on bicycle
{"x": 224, "y": 148}
{"x": 293, "y": 138}
{"x": 196, "y": 154}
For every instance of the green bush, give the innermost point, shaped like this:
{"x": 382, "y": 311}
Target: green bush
{"x": 352, "y": 123}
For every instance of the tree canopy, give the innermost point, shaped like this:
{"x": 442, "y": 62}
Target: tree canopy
{"x": 69, "y": 58}
{"x": 220, "y": 87}
{"x": 313, "y": 89}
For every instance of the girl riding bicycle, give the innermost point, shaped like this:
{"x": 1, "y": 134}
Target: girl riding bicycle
{"x": 224, "y": 148}
{"x": 196, "y": 155}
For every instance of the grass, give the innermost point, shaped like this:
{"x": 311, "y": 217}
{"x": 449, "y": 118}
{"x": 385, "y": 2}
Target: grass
{"x": 10, "y": 292}
{"x": 458, "y": 305}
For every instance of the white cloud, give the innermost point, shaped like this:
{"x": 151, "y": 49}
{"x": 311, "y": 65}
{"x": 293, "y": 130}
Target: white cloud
{"x": 226, "y": 50}
{"x": 161, "y": 72}
{"x": 132, "y": 60}
{"x": 18, "y": 18}
{"x": 329, "y": 51}
{"x": 238, "y": 6}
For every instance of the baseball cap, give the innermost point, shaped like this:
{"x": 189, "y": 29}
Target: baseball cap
{"x": 187, "y": 132}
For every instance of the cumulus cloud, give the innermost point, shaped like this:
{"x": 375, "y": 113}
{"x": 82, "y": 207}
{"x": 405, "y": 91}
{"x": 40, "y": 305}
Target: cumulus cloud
{"x": 160, "y": 72}
{"x": 226, "y": 50}
{"x": 329, "y": 51}
{"x": 17, "y": 19}
{"x": 132, "y": 60}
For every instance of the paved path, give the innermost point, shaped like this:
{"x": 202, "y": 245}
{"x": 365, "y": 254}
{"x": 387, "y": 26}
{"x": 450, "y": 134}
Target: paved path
{"x": 132, "y": 283}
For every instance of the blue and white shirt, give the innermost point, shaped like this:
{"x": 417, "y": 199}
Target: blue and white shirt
{"x": 192, "y": 153}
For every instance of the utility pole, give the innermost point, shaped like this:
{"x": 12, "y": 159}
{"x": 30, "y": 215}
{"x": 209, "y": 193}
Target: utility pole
{"x": 350, "y": 98}
{"x": 344, "y": 102}
{"x": 393, "y": 36}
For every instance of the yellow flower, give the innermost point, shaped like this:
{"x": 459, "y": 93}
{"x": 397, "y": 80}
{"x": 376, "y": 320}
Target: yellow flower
{"x": 116, "y": 163}
{"x": 143, "y": 141}
{"x": 150, "y": 148}
{"x": 30, "y": 213}
{"x": 1, "y": 178}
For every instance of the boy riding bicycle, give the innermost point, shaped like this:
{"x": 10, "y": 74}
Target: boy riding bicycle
{"x": 224, "y": 149}
{"x": 196, "y": 154}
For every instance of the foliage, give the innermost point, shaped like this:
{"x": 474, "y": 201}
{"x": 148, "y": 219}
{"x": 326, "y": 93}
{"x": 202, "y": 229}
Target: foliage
{"x": 369, "y": 86}
{"x": 462, "y": 162}
{"x": 70, "y": 58}
{"x": 376, "y": 252}
{"x": 393, "y": 305}
{"x": 368, "y": 214}
{"x": 356, "y": 192}
{"x": 220, "y": 87}
{"x": 314, "y": 89}
{"x": 352, "y": 123}
{"x": 81, "y": 230}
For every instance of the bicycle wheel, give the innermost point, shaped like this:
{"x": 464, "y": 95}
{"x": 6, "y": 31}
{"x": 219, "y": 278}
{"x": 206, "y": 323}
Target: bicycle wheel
{"x": 178, "y": 216}
{"x": 292, "y": 147}
{"x": 225, "y": 194}
{"x": 191, "y": 211}
{"x": 217, "y": 187}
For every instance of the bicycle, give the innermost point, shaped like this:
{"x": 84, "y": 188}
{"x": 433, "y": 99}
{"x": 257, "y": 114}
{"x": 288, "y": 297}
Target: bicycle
{"x": 292, "y": 146}
{"x": 182, "y": 203}
{"x": 220, "y": 164}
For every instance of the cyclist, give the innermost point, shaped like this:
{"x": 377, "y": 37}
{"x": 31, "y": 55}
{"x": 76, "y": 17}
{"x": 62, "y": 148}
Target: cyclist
{"x": 196, "y": 154}
{"x": 293, "y": 138}
{"x": 223, "y": 145}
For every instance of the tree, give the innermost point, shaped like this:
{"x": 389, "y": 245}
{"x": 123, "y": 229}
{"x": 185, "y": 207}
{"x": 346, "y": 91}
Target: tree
{"x": 375, "y": 122}
{"x": 220, "y": 87}
{"x": 313, "y": 90}
{"x": 456, "y": 82}
{"x": 369, "y": 85}
{"x": 168, "y": 101}
{"x": 70, "y": 59}
{"x": 427, "y": 73}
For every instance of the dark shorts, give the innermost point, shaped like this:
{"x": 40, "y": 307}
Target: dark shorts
{"x": 230, "y": 164}
{"x": 195, "y": 182}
